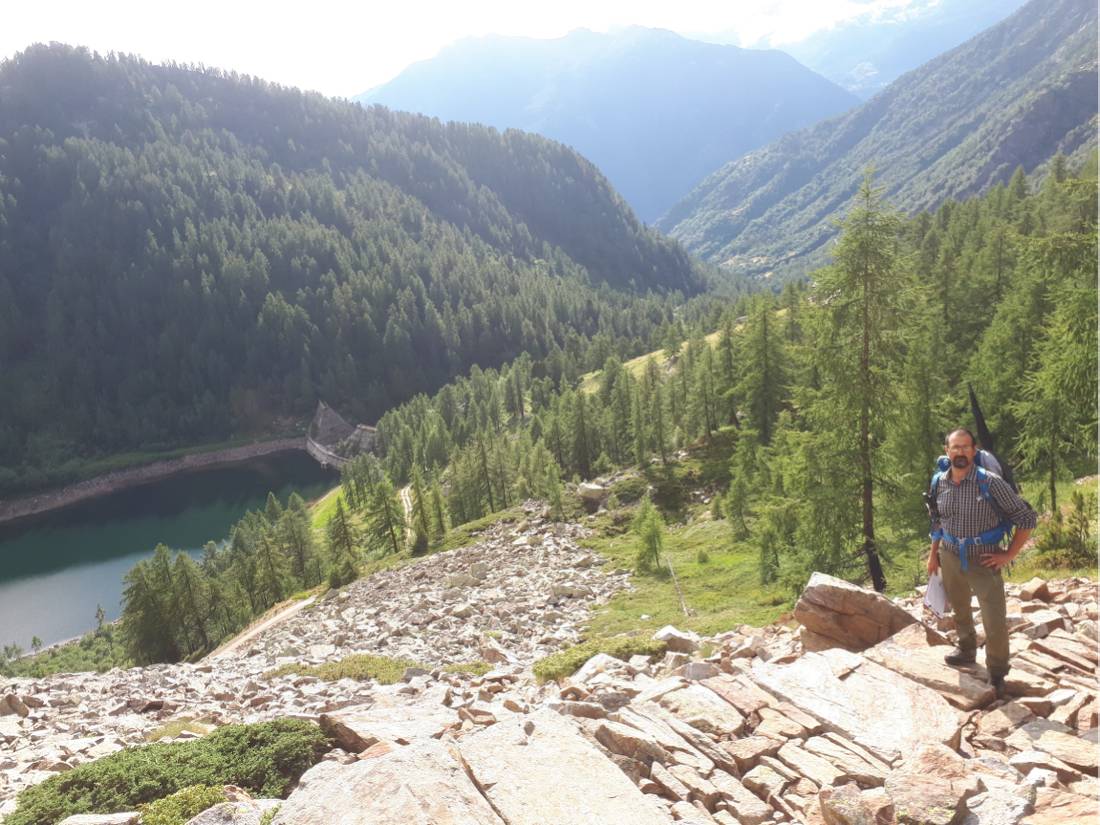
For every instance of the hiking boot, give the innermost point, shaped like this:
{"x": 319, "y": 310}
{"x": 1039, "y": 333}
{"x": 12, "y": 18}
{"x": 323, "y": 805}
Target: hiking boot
{"x": 958, "y": 657}
{"x": 998, "y": 683}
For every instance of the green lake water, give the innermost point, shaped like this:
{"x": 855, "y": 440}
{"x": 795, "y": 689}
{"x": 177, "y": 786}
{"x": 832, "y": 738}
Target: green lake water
{"x": 56, "y": 568}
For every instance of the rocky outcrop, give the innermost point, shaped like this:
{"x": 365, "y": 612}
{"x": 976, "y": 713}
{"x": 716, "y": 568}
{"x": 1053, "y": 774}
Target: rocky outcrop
{"x": 836, "y": 613}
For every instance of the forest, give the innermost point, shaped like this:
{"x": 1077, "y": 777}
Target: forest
{"x": 834, "y": 396}
{"x": 189, "y": 255}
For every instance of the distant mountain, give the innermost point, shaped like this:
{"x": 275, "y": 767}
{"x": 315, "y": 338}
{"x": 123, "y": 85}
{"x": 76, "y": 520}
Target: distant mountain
{"x": 186, "y": 255}
{"x": 654, "y": 111}
{"x": 1013, "y": 96}
{"x": 867, "y": 54}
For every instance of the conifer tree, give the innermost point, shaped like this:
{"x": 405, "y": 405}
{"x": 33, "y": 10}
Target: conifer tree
{"x": 342, "y": 544}
{"x": 649, "y": 527}
{"x": 857, "y": 355}
{"x": 147, "y": 622}
{"x": 1056, "y": 409}
{"x": 385, "y": 519}
{"x": 421, "y": 520}
{"x": 192, "y": 599}
{"x": 763, "y": 362}
{"x": 296, "y": 536}
{"x": 439, "y": 519}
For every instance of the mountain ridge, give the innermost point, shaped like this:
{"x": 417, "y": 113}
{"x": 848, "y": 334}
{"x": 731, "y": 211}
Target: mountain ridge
{"x": 1013, "y": 96}
{"x": 640, "y": 103}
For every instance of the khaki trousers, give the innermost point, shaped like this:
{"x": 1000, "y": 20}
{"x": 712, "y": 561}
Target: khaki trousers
{"x": 988, "y": 585}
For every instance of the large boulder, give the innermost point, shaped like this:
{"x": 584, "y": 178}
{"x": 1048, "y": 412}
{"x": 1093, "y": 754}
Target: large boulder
{"x": 932, "y": 786}
{"x": 542, "y": 771}
{"x": 850, "y": 616}
{"x": 422, "y": 784}
{"x": 241, "y": 812}
{"x": 357, "y": 728}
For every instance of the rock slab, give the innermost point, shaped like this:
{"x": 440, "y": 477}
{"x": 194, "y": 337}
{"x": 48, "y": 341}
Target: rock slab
{"x": 541, "y": 771}
{"x": 422, "y": 784}
{"x": 875, "y": 707}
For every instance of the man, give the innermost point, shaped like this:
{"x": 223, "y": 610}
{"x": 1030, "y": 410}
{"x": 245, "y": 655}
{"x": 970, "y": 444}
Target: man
{"x": 973, "y": 508}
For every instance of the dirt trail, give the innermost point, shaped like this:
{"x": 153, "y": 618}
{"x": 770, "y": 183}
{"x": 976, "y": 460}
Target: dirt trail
{"x": 246, "y": 636}
{"x": 407, "y": 505}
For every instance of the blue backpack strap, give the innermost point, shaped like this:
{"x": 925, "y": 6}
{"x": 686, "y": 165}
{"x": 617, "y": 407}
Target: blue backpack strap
{"x": 932, "y": 488}
{"x": 983, "y": 483}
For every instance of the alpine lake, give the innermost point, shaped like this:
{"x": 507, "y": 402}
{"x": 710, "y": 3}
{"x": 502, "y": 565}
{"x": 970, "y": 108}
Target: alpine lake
{"x": 56, "y": 568}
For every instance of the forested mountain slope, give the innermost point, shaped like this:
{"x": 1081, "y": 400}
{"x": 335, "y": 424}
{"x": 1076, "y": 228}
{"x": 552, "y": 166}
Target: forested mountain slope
{"x": 656, "y": 112}
{"x": 186, "y": 254}
{"x": 1013, "y": 96}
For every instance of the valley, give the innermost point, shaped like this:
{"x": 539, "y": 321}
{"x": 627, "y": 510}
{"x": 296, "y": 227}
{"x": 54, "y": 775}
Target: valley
{"x": 660, "y": 341}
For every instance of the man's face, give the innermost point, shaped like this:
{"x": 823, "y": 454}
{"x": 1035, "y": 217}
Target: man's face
{"x": 961, "y": 450}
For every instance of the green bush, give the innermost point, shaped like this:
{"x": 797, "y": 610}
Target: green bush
{"x": 181, "y": 806}
{"x": 383, "y": 669}
{"x": 566, "y": 662}
{"x": 1070, "y": 540}
{"x": 265, "y": 759}
{"x": 629, "y": 489}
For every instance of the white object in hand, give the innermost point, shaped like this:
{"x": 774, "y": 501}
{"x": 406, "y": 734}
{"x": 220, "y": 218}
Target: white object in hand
{"x": 935, "y": 596}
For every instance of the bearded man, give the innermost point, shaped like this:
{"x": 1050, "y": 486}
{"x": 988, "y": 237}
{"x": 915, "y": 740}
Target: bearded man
{"x": 974, "y": 511}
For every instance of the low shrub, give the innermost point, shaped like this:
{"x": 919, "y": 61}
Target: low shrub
{"x": 629, "y": 489}
{"x": 566, "y": 662}
{"x": 473, "y": 668}
{"x": 382, "y": 669}
{"x": 181, "y": 806}
{"x": 265, "y": 759}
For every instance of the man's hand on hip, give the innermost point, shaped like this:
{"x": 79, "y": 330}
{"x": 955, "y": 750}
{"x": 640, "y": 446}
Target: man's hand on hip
{"x": 995, "y": 561}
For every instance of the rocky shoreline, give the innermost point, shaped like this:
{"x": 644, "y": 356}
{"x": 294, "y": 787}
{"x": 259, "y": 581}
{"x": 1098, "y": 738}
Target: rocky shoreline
{"x": 37, "y": 504}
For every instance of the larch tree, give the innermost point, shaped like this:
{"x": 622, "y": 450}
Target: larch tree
{"x": 861, "y": 296}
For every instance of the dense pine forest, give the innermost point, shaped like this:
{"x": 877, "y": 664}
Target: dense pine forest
{"x": 188, "y": 255}
{"x": 828, "y": 402}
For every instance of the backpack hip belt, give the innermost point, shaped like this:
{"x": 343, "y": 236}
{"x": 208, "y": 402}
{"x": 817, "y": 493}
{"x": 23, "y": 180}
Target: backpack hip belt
{"x": 990, "y": 537}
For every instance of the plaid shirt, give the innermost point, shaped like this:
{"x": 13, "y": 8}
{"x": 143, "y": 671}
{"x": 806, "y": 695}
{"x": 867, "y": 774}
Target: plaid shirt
{"x": 964, "y": 513}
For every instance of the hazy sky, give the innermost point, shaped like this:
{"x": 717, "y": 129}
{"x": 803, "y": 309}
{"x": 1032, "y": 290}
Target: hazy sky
{"x": 343, "y": 49}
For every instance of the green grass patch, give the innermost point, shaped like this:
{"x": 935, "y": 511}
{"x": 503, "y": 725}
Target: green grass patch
{"x": 566, "y": 662}
{"x": 464, "y": 535}
{"x": 95, "y": 651}
{"x": 473, "y": 668}
{"x": 590, "y": 381}
{"x": 265, "y": 759}
{"x": 324, "y": 508}
{"x": 181, "y": 806}
{"x": 383, "y": 669}
{"x": 722, "y": 592}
